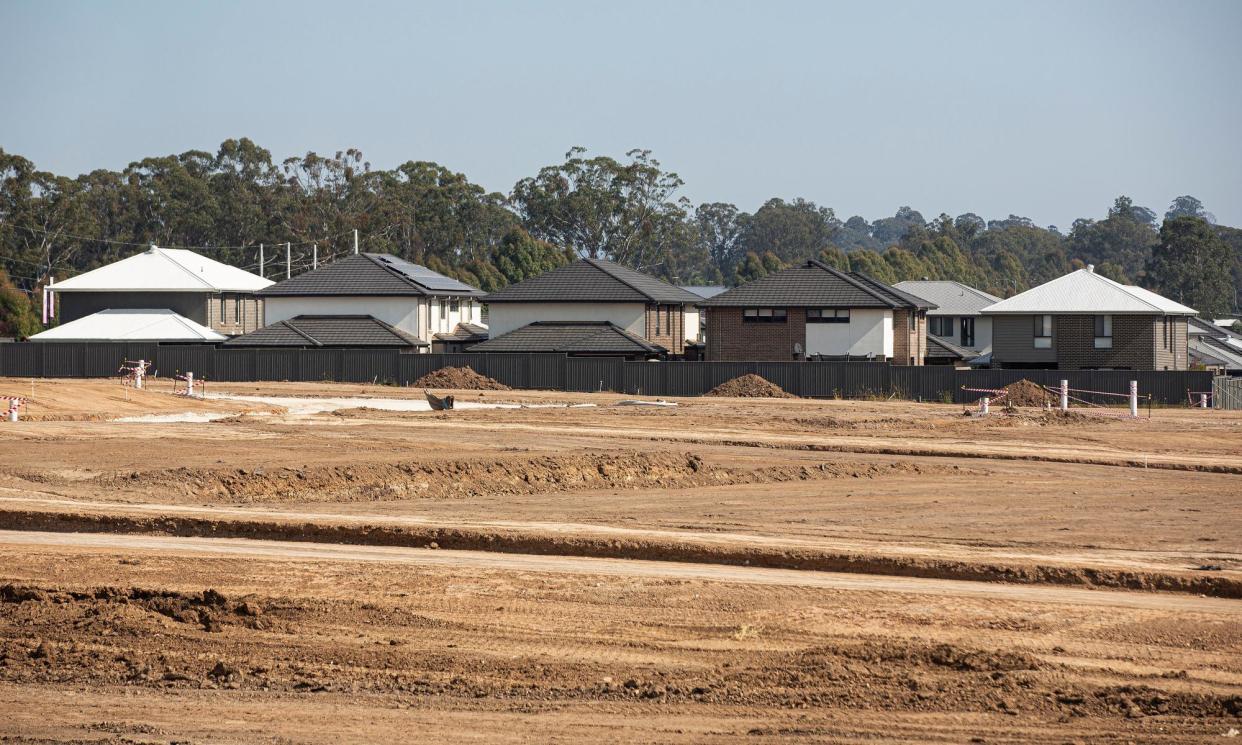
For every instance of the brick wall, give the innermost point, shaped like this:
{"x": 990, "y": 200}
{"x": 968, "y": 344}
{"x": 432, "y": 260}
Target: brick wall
{"x": 1171, "y": 354}
{"x": 909, "y": 343}
{"x": 226, "y": 322}
{"x": 1133, "y": 343}
{"x": 671, "y": 337}
{"x": 729, "y": 338}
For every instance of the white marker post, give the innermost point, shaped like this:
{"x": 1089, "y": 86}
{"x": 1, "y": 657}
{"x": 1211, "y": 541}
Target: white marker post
{"x": 1064, "y": 395}
{"x": 189, "y": 384}
{"x": 139, "y": 372}
{"x": 1203, "y": 401}
{"x": 983, "y": 405}
{"x": 1134, "y": 398}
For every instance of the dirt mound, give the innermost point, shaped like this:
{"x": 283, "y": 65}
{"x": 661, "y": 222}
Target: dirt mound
{"x": 459, "y": 378}
{"x": 470, "y": 478}
{"x": 1026, "y": 393}
{"x": 749, "y": 386}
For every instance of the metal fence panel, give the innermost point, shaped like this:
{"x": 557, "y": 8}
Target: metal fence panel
{"x": 178, "y": 360}
{"x": 102, "y": 360}
{"x": 546, "y": 371}
{"x": 276, "y": 364}
{"x": 511, "y": 369}
{"x": 21, "y": 360}
{"x": 646, "y": 378}
{"x": 234, "y": 365}
{"x": 319, "y": 365}
{"x": 62, "y": 360}
{"x": 371, "y": 365}
{"x": 590, "y": 374}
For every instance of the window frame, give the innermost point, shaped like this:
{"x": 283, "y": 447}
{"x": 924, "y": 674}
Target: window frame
{"x": 1103, "y": 329}
{"x": 943, "y": 322}
{"x": 1042, "y": 330}
{"x": 828, "y": 315}
{"x": 765, "y": 315}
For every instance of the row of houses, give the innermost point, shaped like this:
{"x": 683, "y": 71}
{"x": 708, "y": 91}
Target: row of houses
{"x": 812, "y": 311}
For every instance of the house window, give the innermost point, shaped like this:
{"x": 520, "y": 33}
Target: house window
{"x": 763, "y": 315}
{"x": 443, "y": 310}
{"x": 968, "y": 332}
{"x": 827, "y": 315}
{"x": 657, "y": 320}
{"x": 220, "y": 315}
{"x": 1043, "y": 332}
{"x": 942, "y": 326}
{"x": 455, "y": 305}
{"x": 1103, "y": 332}
{"x": 237, "y": 310}
{"x": 914, "y": 322}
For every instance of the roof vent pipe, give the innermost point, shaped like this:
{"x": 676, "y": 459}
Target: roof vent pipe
{"x": 1091, "y": 268}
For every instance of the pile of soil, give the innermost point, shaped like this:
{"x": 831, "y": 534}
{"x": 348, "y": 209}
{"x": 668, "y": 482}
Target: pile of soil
{"x": 749, "y": 386}
{"x": 457, "y": 479}
{"x": 1026, "y": 393}
{"x": 459, "y": 378}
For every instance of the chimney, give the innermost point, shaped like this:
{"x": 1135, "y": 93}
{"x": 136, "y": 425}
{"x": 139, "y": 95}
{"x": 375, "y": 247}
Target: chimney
{"x": 1091, "y": 268}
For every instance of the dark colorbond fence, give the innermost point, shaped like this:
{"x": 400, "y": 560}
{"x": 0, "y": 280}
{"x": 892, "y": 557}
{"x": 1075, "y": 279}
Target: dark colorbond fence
{"x": 558, "y": 372}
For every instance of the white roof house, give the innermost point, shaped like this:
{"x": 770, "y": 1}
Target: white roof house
{"x": 1085, "y": 292}
{"x": 164, "y": 270}
{"x": 951, "y": 298}
{"x": 124, "y": 324}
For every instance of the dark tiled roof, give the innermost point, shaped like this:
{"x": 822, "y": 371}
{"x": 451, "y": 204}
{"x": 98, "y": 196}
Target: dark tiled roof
{"x": 815, "y": 284}
{"x": 593, "y": 281}
{"x": 464, "y": 332}
{"x": 327, "y": 331}
{"x": 370, "y": 274}
{"x": 937, "y": 347}
{"x": 594, "y": 337}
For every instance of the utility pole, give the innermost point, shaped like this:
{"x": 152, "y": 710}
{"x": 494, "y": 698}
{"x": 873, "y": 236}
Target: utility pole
{"x": 261, "y": 274}
{"x": 355, "y": 241}
{"x": 288, "y": 261}
{"x": 315, "y": 256}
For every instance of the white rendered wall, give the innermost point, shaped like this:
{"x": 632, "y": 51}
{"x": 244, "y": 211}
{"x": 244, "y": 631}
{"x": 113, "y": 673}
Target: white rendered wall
{"x": 983, "y": 333}
{"x": 505, "y": 317}
{"x": 870, "y": 331}
{"x": 401, "y": 312}
{"x": 693, "y": 332}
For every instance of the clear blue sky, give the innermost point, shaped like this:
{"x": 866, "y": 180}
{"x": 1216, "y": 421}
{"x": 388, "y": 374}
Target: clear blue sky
{"x": 1045, "y": 109}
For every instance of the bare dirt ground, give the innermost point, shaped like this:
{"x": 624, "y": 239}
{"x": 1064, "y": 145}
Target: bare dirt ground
{"x": 728, "y": 569}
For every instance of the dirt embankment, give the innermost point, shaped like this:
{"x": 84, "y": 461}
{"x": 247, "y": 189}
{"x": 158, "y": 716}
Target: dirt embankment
{"x": 158, "y": 639}
{"x": 466, "y": 478}
{"x": 459, "y": 378}
{"x": 523, "y": 541}
{"x": 749, "y": 386}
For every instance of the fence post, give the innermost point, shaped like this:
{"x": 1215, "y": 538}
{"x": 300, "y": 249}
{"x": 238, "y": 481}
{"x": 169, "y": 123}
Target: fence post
{"x": 1134, "y": 398}
{"x": 1064, "y": 395}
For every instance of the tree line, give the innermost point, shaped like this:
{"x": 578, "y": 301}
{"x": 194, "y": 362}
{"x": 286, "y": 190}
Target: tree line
{"x": 227, "y": 203}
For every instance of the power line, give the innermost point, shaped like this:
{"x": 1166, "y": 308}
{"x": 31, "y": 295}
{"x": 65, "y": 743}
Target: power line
{"x": 59, "y": 234}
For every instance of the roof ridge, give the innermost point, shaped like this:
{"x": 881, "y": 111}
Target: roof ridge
{"x": 390, "y": 270}
{"x": 301, "y": 333}
{"x": 592, "y": 262}
{"x": 1123, "y": 288}
{"x": 860, "y": 285}
{"x": 162, "y": 253}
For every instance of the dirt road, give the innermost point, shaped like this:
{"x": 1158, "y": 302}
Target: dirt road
{"x": 224, "y": 547}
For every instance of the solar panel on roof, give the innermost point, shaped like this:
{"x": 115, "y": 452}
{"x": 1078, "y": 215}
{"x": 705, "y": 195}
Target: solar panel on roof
{"x": 423, "y": 276}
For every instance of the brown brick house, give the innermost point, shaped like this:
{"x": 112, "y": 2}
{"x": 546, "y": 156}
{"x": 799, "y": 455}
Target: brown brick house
{"x": 814, "y": 311}
{"x": 593, "y": 291}
{"x": 1085, "y": 321}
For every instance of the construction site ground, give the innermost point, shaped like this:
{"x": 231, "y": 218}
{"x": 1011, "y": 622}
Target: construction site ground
{"x": 567, "y": 569}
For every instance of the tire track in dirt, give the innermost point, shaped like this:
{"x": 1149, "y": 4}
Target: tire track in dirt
{"x": 279, "y": 550}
